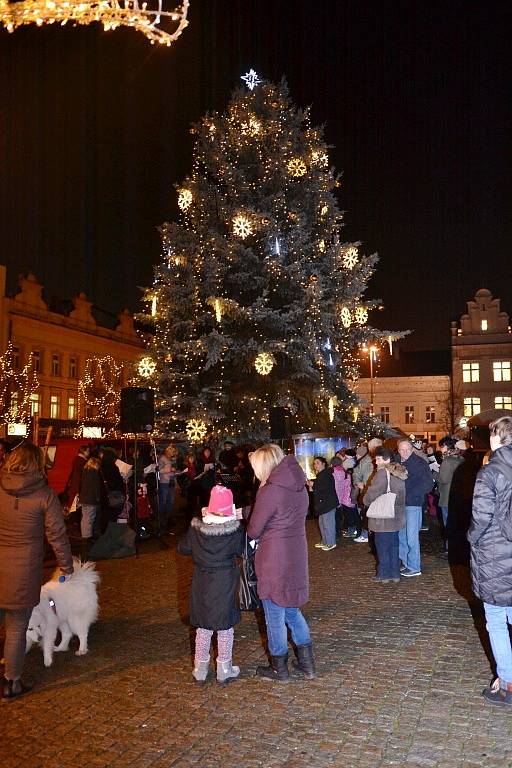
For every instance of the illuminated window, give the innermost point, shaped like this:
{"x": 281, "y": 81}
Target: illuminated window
{"x": 35, "y": 403}
{"x": 36, "y": 360}
{"x": 54, "y": 406}
{"x": 484, "y": 325}
{"x": 503, "y": 401}
{"x": 72, "y": 367}
{"x": 470, "y": 372}
{"x": 15, "y": 403}
{"x": 430, "y": 414}
{"x": 409, "y": 414}
{"x": 501, "y": 370}
{"x": 471, "y": 406}
{"x": 384, "y": 414}
{"x": 71, "y": 408}
{"x": 55, "y": 365}
{"x": 16, "y": 358}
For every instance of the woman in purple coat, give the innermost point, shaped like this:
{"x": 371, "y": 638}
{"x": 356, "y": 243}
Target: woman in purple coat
{"x": 278, "y": 523}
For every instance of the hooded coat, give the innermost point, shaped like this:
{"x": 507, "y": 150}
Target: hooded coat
{"x": 278, "y": 522}
{"x": 491, "y": 551}
{"x": 214, "y": 591}
{"x": 378, "y": 484}
{"x": 29, "y": 509}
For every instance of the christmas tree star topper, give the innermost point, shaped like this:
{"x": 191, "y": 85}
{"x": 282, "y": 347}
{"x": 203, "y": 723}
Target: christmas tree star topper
{"x": 251, "y": 79}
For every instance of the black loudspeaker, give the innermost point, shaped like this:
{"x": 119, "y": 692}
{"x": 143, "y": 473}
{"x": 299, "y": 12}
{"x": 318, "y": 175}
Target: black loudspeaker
{"x": 280, "y": 423}
{"x": 137, "y": 409}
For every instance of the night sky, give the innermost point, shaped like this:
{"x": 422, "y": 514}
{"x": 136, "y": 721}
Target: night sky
{"x": 415, "y": 96}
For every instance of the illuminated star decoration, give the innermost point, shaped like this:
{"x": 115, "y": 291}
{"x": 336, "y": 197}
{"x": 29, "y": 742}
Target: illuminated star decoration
{"x": 251, "y": 79}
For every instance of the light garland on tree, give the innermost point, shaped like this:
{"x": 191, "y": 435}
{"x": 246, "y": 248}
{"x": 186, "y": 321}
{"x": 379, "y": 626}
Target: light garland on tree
{"x": 319, "y": 158}
{"x": 111, "y": 13}
{"x": 16, "y": 388}
{"x": 196, "y": 430}
{"x": 100, "y": 389}
{"x": 264, "y": 363}
{"x": 346, "y": 317}
{"x": 333, "y": 401}
{"x": 251, "y": 127}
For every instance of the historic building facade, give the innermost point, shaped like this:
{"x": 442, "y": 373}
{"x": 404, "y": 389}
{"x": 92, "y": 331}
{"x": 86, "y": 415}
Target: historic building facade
{"x": 475, "y": 379}
{"x": 60, "y": 344}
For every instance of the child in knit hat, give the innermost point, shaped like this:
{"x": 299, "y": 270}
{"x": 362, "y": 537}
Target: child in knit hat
{"x": 214, "y": 541}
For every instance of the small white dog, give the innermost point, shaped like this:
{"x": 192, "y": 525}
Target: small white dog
{"x": 69, "y": 607}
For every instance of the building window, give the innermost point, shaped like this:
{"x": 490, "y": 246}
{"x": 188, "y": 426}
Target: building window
{"x": 484, "y": 325}
{"x": 433, "y": 438}
{"x": 470, "y": 372}
{"x": 384, "y": 414}
{"x": 72, "y": 368}
{"x": 55, "y": 365}
{"x": 409, "y": 414}
{"x": 71, "y": 408}
{"x": 35, "y": 403}
{"x": 16, "y": 358}
{"x": 501, "y": 370}
{"x": 36, "y": 360}
{"x": 15, "y": 403}
{"x": 503, "y": 401}
{"x": 54, "y": 406}
{"x": 471, "y": 406}
{"x": 430, "y": 414}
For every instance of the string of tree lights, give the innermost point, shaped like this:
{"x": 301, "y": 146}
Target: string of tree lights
{"x": 16, "y": 388}
{"x": 257, "y": 301}
{"x": 99, "y": 392}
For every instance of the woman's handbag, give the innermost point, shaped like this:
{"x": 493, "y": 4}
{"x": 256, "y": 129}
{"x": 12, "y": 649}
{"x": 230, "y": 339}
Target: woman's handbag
{"x": 384, "y": 505}
{"x": 248, "y": 592}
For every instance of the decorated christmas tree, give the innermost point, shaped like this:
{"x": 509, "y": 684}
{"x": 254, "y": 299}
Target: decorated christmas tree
{"x": 257, "y": 303}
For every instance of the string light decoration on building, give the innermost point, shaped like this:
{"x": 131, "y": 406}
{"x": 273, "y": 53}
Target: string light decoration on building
{"x": 264, "y": 363}
{"x": 296, "y": 167}
{"x": 146, "y": 367}
{"x": 99, "y": 392}
{"x": 16, "y": 387}
{"x": 242, "y": 226}
{"x": 261, "y": 277}
{"x": 350, "y": 257}
{"x": 157, "y": 24}
{"x": 196, "y": 430}
{"x": 185, "y": 198}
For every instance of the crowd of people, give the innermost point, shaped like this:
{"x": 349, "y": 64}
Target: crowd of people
{"x": 377, "y": 493}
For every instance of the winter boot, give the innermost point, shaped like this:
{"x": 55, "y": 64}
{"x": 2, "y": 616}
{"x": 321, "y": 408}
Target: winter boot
{"x": 305, "y": 661}
{"x": 226, "y": 671}
{"x": 277, "y": 669}
{"x": 498, "y": 693}
{"x": 200, "y": 671}
{"x": 12, "y": 689}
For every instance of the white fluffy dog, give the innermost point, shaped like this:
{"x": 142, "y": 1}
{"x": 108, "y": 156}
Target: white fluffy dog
{"x": 69, "y": 607}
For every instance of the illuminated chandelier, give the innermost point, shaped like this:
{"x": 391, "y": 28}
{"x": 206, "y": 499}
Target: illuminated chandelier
{"x": 110, "y": 13}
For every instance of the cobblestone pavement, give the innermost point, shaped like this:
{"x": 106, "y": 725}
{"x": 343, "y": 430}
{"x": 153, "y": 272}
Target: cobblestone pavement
{"x": 400, "y": 672}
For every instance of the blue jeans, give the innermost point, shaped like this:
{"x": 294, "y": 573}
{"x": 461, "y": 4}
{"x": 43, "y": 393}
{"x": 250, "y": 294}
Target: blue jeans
{"x": 277, "y": 619}
{"x": 327, "y": 523}
{"x": 409, "y": 539}
{"x": 386, "y": 544}
{"x": 444, "y": 512}
{"x": 497, "y": 617}
{"x": 165, "y": 505}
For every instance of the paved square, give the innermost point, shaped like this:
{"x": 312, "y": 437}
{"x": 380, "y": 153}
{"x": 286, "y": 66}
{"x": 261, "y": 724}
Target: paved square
{"x": 400, "y": 671}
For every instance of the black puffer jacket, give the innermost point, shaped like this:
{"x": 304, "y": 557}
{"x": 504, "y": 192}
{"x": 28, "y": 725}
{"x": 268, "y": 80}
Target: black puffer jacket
{"x": 491, "y": 552}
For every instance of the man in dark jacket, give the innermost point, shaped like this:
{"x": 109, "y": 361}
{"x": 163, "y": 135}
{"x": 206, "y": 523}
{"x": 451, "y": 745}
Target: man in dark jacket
{"x": 419, "y": 482}
{"x": 490, "y": 537}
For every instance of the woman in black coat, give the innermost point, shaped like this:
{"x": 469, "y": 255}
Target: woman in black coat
{"x": 490, "y": 537}
{"x": 214, "y": 542}
{"x": 326, "y": 501}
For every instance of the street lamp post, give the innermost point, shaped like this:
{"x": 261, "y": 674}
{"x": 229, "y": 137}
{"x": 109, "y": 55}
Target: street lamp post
{"x": 372, "y": 353}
